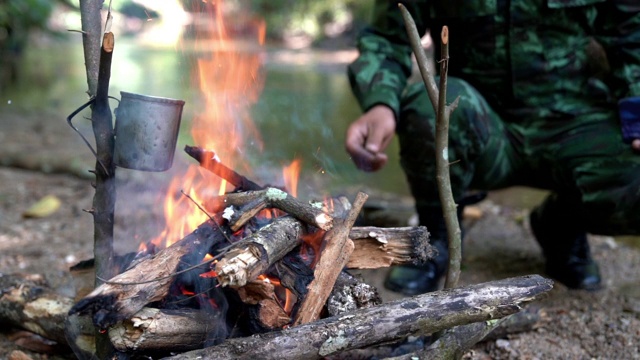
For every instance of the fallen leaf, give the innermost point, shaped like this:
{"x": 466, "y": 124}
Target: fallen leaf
{"x": 44, "y": 207}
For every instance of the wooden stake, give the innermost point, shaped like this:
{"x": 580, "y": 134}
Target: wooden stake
{"x": 333, "y": 258}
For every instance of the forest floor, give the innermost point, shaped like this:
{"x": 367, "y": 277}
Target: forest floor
{"x": 41, "y": 158}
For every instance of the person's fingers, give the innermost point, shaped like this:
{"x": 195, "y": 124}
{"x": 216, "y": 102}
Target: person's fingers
{"x": 354, "y": 143}
{"x": 375, "y": 139}
{"x": 379, "y": 161}
{"x": 369, "y": 136}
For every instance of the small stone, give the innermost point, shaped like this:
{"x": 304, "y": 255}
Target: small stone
{"x": 19, "y": 355}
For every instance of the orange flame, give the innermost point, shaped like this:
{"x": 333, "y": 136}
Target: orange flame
{"x": 230, "y": 79}
{"x": 291, "y": 174}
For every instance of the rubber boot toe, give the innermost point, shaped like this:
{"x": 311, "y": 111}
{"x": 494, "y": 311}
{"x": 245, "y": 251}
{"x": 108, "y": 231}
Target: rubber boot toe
{"x": 413, "y": 280}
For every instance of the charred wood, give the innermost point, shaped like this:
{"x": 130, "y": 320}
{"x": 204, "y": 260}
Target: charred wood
{"x": 266, "y": 313}
{"x": 147, "y": 281}
{"x": 210, "y": 161}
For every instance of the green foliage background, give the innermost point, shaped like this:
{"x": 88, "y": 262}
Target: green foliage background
{"x": 309, "y": 16}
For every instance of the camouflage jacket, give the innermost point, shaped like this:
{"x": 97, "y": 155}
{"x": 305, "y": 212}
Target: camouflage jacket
{"x": 529, "y": 58}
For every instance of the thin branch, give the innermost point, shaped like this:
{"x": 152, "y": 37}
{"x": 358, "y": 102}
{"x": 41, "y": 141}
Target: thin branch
{"x": 443, "y": 112}
{"x": 421, "y": 56}
{"x": 223, "y": 251}
{"x": 449, "y": 210}
{"x": 209, "y": 216}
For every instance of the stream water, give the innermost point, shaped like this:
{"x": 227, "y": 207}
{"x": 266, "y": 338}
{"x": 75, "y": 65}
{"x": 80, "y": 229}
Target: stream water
{"x": 303, "y": 110}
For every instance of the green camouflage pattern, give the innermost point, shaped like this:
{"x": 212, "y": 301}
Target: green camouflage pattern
{"x": 530, "y": 58}
{"x": 537, "y": 107}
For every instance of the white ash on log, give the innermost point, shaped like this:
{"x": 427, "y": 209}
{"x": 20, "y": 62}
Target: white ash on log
{"x": 350, "y": 293}
{"x": 418, "y": 315}
{"x": 148, "y": 281}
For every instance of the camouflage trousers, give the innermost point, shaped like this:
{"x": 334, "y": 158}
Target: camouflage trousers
{"x": 593, "y": 177}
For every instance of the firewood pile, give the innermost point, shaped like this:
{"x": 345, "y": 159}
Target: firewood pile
{"x": 265, "y": 277}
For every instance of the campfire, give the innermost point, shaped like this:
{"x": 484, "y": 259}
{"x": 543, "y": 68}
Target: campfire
{"x": 249, "y": 270}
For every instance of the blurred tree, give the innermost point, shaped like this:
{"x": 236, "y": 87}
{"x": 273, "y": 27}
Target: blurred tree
{"x": 310, "y": 20}
{"x": 17, "y": 19}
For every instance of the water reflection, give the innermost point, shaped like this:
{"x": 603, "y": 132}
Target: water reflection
{"x": 303, "y": 111}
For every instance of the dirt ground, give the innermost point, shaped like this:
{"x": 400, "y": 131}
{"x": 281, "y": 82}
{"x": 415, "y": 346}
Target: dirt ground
{"x": 498, "y": 244}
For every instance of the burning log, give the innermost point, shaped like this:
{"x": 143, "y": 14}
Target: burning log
{"x": 268, "y": 314}
{"x": 253, "y": 255}
{"x": 419, "y": 315}
{"x": 154, "y": 330}
{"x": 210, "y": 161}
{"x": 147, "y": 281}
{"x": 338, "y": 249}
{"x": 163, "y": 330}
{"x": 252, "y": 202}
{"x": 383, "y": 247}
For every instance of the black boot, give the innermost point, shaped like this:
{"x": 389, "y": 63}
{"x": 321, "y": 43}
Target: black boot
{"x": 567, "y": 254}
{"x": 420, "y": 279}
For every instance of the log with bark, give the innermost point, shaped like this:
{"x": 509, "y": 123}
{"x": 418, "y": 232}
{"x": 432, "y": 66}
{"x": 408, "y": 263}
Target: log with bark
{"x": 253, "y": 255}
{"x": 250, "y": 203}
{"x": 337, "y": 251}
{"x": 156, "y": 330}
{"x": 210, "y": 161}
{"x": 383, "y": 247}
{"x": 418, "y": 315}
{"x": 28, "y": 302}
{"x": 147, "y": 281}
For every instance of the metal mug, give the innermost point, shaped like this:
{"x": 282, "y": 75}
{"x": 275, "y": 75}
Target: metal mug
{"x": 146, "y": 131}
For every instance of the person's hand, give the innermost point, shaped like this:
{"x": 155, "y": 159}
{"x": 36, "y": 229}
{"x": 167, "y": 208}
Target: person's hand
{"x": 369, "y": 136}
{"x": 635, "y": 144}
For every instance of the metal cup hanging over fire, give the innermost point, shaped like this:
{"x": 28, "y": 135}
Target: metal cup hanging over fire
{"x": 146, "y": 131}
